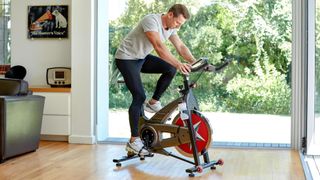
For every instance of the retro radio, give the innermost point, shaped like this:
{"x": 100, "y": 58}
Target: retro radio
{"x": 59, "y": 77}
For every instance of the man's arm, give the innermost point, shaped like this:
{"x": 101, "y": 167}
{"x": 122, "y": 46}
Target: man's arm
{"x": 182, "y": 49}
{"x": 164, "y": 53}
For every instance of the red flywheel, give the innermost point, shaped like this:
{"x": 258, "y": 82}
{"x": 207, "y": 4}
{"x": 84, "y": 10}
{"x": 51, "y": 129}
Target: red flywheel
{"x": 203, "y": 133}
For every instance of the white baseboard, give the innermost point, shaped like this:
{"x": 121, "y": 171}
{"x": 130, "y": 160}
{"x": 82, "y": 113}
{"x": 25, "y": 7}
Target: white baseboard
{"x": 54, "y": 138}
{"x": 77, "y": 139}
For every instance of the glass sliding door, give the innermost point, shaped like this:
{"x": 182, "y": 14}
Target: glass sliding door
{"x": 313, "y": 121}
{"x": 317, "y": 79}
{"x": 245, "y": 101}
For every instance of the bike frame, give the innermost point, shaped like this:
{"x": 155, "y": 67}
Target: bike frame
{"x": 154, "y": 127}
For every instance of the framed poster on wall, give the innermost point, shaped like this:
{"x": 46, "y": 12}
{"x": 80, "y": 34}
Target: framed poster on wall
{"x": 48, "y": 21}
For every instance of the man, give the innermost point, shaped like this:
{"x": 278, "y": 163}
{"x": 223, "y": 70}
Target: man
{"x": 133, "y": 56}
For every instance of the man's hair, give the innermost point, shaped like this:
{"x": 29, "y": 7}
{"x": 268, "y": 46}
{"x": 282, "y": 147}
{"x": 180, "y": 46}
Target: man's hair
{"x": 178, "y": 9}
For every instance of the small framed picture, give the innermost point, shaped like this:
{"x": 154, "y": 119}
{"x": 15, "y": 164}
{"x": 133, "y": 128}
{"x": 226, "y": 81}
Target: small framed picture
{"x": 48, "y": 21}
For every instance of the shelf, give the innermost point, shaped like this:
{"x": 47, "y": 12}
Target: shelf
{"x": 49, "y": 89}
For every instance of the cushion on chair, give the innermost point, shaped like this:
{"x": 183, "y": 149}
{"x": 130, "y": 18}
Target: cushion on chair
{"x": 13, "y": 87}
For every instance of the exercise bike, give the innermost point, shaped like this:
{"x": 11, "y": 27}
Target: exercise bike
{"x": 190, "y": 132}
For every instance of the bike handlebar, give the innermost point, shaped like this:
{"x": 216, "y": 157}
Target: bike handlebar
{"x": 222, "y": 66}
{"x": 202, "y": 64}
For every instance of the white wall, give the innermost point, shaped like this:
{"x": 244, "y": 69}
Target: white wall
{"x": 38, "y": 54}
{"x": 83, "y": 72}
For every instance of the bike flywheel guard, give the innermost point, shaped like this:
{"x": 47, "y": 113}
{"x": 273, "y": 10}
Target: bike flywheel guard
{"x": 202, "y": 131}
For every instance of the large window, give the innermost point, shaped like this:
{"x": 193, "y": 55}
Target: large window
{"x": 5, "y": 42}
{"x": 249, "y": 103}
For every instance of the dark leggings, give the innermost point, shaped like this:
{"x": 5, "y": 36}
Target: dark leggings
{"x": 130, "y": 70}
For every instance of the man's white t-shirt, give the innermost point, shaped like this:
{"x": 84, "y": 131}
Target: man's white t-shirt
{"x": 136, "y": 44}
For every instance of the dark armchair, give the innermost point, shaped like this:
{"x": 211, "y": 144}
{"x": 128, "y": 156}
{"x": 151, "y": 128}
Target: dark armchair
{"x": 20, "y": 118}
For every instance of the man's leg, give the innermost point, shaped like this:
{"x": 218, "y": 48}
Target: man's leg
{"x": 154, "y": 64}
{"x": 130, "y": 70}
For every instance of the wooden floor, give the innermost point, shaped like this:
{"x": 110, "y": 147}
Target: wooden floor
{"x": 59, "y": 160}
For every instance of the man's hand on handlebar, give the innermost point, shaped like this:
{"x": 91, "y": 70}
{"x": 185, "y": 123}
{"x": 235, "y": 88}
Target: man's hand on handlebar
{"x": 184, "y": 68}
{"x": 201, "y": 65}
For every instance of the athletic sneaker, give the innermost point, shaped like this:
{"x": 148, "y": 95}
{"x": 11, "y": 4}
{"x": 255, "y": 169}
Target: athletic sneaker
{"x": 152, "y": 108}
{"x": 136, "y": 147}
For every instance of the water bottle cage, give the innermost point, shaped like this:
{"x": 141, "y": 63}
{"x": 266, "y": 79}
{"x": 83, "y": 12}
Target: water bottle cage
{"x": 184, "y": 114}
